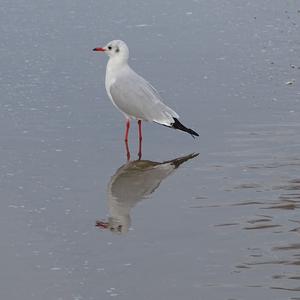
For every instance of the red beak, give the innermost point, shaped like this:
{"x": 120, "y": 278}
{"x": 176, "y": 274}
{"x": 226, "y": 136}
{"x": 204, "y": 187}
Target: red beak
{"x": 99, "y": 49}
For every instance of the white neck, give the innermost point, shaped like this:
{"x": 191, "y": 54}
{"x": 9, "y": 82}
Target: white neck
{"x": 114, "y": 66}
{"x": 115, "y": 63}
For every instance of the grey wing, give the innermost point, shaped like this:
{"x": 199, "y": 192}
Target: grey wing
{"x": 146, "y": 176}
{"x": 138, "y": 99}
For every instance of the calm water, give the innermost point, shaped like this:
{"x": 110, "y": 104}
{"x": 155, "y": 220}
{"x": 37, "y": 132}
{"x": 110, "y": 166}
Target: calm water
{"x": 221, "y": 225}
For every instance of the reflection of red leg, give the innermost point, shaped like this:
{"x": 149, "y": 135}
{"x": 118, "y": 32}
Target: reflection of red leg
{"x": 127, "y": 150}
{"x": 140, "y": 139}
{"x": 127, "y": 130}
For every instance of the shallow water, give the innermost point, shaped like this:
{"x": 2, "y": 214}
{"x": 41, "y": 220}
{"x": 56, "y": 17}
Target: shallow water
{"x": 223, "y": 225}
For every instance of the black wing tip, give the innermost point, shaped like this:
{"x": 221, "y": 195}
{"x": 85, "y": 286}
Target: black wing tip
{"x": 193, "y": 133}
{"x": 179, "y": 126}
{"x": 180, "y": 160}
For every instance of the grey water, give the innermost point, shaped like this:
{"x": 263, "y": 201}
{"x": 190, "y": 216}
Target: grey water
{"x": 80, "y": 222}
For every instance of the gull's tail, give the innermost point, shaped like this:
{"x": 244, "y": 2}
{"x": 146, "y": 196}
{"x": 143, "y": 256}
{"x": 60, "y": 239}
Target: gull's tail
{"x": 179, "y": 126}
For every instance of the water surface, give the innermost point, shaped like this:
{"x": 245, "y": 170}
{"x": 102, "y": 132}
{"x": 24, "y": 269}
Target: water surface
{"x": 223, "y": 225}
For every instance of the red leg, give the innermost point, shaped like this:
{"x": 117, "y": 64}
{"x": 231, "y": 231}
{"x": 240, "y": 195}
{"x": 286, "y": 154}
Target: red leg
{"x": 127, "y": 130}
{"x": 140, "y": 130}
{"x": 127, "y": 150}
{"x": 126, "y": 139}
{"x": 140, "y": 139}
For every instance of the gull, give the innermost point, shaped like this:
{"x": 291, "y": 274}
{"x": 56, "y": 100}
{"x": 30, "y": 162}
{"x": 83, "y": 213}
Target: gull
{"x": 134, "y": 96}
{"x": 133, "y": 182}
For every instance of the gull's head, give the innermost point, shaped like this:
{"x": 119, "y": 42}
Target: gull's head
{"x": 116, "y": 49}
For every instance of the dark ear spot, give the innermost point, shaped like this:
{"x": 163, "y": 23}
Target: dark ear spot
{"x": 117, "y": 50}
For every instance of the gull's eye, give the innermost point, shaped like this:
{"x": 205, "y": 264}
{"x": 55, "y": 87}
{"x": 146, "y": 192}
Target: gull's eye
{"x": 109, "y": 47}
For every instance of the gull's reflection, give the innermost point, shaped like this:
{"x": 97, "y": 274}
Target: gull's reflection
{"x": 133, "y": 182}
